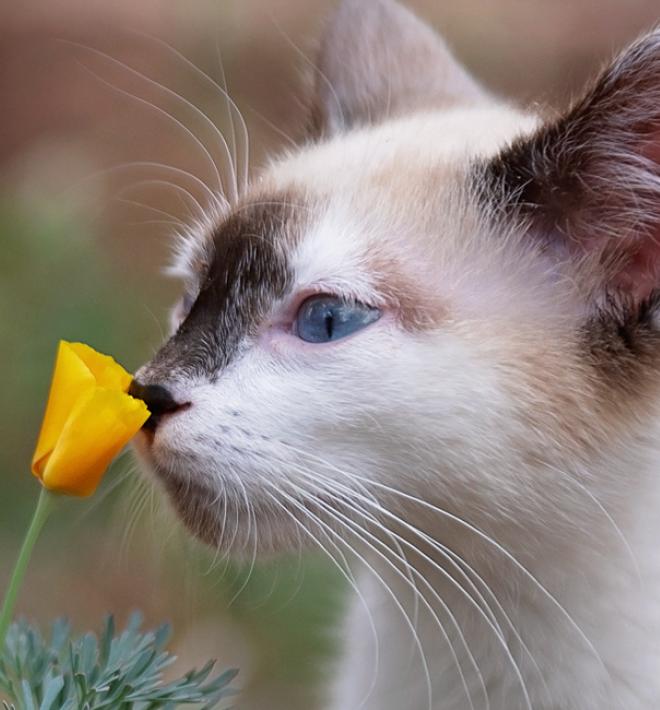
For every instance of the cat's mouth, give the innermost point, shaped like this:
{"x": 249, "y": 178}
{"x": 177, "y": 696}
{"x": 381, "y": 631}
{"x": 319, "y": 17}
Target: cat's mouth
{"x": 215, "y": 509}
{"x": 229, "y": 514}
{"x": 185, "y": 490}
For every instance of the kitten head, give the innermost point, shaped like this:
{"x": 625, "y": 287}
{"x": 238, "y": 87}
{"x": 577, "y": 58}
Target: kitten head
{"x": 437, "y": 297}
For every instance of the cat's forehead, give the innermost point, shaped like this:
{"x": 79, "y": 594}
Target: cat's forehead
{"x": 346, "y": 213}
{"x": 402, "y": 150}
{"x": 319, "y": 241}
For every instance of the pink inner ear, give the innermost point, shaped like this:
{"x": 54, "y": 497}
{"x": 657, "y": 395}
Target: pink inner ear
{"x": 640, "y": 273}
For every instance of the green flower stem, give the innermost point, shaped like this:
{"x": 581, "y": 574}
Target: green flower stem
{"x": 45, "y": 505}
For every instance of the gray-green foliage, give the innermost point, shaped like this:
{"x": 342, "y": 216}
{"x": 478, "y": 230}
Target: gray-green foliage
{"x": 116, "y": 671}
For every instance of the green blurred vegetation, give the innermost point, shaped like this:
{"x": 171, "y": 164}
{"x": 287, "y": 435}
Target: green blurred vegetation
{"x": 119, "y": 668}
{"x": 58, "y": 280}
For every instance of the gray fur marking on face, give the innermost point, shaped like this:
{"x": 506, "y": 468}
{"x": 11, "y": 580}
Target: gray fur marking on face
{"x": 248, "y": 270}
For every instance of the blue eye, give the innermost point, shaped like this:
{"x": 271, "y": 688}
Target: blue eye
{"x": 322, "y": 319}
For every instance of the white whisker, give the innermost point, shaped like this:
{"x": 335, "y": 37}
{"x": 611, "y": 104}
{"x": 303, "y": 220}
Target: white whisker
{"x": 446, "y": 553}
{"x": 327, "y": 486}
{"x": 508, "y": 555}
{"x": 343, "y": 570}
{"x": 169, "y": 92}
{"x": 231, "y": 106}
{"x": 335, "y": 515}
{"x": 169, "y": 185}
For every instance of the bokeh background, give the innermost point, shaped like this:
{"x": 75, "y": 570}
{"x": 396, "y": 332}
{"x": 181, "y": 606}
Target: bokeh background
{"x": 87, "y": 208}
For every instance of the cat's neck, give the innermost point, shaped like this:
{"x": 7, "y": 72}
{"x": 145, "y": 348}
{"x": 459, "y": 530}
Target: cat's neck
{"x": 553, "y": 608}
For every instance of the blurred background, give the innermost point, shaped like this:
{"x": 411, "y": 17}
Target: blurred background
{"x": 98, "y": 168}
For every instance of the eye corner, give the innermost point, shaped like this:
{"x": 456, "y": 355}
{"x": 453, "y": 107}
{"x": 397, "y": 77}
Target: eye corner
{"x": 181, "y": 309}
{"x": 187, "y": 300}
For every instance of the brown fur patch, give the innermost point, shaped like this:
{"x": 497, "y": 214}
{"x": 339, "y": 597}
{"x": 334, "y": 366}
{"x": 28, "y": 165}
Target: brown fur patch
{"x": 584, "y": 188}
{"x": 591, "y": 173}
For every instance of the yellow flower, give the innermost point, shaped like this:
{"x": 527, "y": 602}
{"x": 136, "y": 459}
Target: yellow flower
{"x": 89, "y": 418}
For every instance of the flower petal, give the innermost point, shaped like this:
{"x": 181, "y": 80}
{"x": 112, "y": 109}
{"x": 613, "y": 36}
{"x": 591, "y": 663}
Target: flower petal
{"x": 98, "y": 427}
{"x": 106, "y": 371}
{"x": 72, "y": 379}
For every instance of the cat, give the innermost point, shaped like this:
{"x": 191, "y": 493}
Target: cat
{"x": 427, "y": 341}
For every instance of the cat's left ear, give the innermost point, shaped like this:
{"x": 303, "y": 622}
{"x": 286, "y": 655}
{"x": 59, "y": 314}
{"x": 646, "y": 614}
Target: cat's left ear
{"x": 378, "y": 60}
{"x": 588, "y": 184}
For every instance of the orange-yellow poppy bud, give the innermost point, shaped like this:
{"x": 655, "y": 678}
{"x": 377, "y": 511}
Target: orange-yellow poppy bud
{"x": 89, "y": 418}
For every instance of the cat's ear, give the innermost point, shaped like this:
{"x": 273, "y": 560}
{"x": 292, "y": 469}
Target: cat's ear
{"x": 588, "y": 183}
{"x": 378, "y": 60}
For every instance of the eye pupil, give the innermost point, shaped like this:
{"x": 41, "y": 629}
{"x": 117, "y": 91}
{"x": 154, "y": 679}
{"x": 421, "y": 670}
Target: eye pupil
{"x": 322, "y": 319}
{"x": 328, "y": 325}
